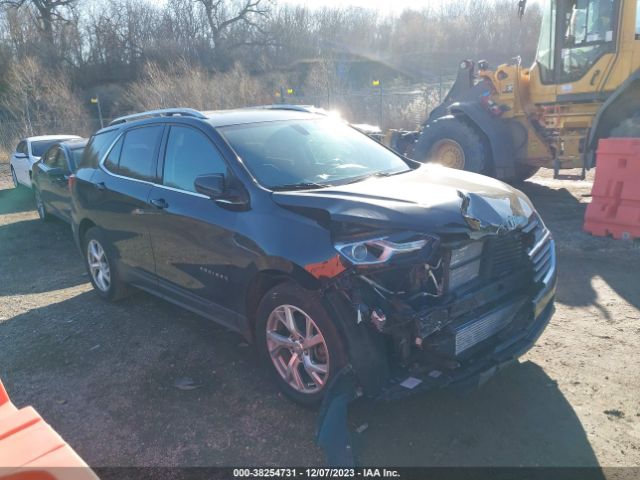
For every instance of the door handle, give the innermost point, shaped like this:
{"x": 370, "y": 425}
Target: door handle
{"x": 159, "y": 203}
{"x": 100, "y": 186}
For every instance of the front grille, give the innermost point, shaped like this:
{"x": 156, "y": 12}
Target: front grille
{"x": 475, "y": 331}
{"x": 541, "y": 253}
{"x": 506, "y": 254}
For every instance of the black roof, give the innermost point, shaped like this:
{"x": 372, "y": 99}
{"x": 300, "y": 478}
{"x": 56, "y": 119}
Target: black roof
{"x": 224, "y": 118}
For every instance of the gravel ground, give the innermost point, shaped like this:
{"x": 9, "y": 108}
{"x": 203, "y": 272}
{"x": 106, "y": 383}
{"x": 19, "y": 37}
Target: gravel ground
{"x": 104, "y": 375}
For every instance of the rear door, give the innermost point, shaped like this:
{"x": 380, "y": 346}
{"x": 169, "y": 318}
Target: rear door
{"x": 193, "y": 239}
{"x": 119, "y": 204}
{"x": 59, "y": 184}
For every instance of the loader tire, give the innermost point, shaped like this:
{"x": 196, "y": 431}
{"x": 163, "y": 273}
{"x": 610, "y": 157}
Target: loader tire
{"x": 629, "y": 127}
{"x": 524, "y": 172}
{"x": 452, "y": 143}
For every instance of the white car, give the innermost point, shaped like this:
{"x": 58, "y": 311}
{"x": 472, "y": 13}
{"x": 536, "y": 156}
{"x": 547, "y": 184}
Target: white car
{"x": 28, "y": 152}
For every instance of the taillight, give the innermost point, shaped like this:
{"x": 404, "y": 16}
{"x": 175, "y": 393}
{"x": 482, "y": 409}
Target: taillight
{"x": 71, "y": 181}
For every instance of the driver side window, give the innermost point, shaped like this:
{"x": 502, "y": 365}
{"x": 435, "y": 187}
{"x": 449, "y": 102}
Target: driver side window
{"x": 22, "y": 147}
{"x": 189, "y": 154}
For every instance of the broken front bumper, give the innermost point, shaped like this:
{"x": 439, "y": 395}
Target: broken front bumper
{"x": 532, "y": 313}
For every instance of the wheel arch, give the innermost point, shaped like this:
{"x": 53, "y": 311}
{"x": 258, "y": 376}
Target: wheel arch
{"x": 494, "y": 132}
{"x": 623, "y": 101}
{"x": 83, "y": 227}
{"x": 264, "y": 280}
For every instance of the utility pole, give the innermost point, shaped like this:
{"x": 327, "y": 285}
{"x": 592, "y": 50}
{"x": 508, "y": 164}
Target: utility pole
{"x": 96, "y": 100}
{"x": 378, "y": 85}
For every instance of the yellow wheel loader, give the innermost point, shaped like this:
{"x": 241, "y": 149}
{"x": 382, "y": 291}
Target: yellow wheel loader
{"x": 584, "y": 85}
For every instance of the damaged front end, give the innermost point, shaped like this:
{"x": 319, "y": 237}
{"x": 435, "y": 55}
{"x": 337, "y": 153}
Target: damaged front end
{"x": 441, "y": 308}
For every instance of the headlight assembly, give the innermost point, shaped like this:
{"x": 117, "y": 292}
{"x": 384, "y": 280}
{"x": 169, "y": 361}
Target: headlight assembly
{"x": 378, "y": 250}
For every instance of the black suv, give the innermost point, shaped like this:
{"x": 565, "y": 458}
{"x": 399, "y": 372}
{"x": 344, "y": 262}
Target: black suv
{"x": 317, "y": 243}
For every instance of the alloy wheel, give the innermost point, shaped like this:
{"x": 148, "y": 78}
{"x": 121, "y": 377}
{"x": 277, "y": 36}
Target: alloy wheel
{"x": 98, "y": 265}
{"x": 297, "y": 349}
{"x": 42, "y": 213}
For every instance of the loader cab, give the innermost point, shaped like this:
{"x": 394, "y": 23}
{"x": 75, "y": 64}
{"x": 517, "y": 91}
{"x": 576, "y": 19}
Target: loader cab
{"x": 577, "y": 42}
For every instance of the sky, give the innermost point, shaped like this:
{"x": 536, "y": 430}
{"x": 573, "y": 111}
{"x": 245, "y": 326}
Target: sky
{"x": 385, "y": 6}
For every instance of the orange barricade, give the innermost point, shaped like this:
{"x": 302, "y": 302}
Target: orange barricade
{"x": 615, "y": 206}
{"x": 31, "y": 450}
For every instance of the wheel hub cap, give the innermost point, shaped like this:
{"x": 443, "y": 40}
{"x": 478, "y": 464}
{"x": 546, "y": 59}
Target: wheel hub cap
{"x": 449, "y": 153}
{"x": 297, "y": 349}
{"x": 98, "y": 265}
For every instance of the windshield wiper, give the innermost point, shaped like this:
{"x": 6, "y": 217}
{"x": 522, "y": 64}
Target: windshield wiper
{"x": 373, "y": 175}
{"x": 299, "y": 186}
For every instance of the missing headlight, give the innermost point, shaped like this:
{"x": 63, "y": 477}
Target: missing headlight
{"x": 464, "y": 264}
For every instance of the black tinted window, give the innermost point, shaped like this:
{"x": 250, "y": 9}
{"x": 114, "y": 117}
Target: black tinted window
{"x": 22, "y": 147}
{"x": 97, "y": 147}
{"x": 111, "y": 162}
{"x": 138, "y": 152}
{"x": 76, "y": 157}
{"x": 60, "y": 161}
{"x": 189, "y": 154}
{"x": 49, "y": 158}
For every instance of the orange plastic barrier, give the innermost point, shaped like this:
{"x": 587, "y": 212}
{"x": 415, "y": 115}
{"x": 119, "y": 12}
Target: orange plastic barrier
{"x": 615, "y": 206}
{"x": 31, "y": 450}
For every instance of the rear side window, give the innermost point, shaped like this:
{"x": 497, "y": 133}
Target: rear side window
{"x": 96, "y": 148}
{"x": 113, "y": 158}
{"x": 189, "y": 153}
{"x": 22, "y": 147}
{"x": 139, "y": 149}
{"x": 49, "y": 158}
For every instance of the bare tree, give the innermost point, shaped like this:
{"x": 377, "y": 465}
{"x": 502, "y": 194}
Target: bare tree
{"x": 223, "y": 16}
{"x": 47, "y": 12}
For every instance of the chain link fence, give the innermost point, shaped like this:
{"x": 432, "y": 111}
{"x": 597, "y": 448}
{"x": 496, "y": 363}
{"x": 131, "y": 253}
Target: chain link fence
{"x": 398, "y": 108}
{"x": 12, "y": 132}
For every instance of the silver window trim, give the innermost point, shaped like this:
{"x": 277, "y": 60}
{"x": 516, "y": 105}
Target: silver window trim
{"x": 146, "y": 182}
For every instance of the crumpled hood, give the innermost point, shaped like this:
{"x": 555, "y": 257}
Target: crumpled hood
{"x": 431, "y": 199}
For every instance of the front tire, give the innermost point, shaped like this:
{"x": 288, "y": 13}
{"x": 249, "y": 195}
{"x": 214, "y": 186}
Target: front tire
{"x": 451, "y": 142}
{"x": 299, "y": 340}
{"x": 103, "y": 272}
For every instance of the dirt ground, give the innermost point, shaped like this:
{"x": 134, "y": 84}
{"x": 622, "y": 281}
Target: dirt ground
{"x": 104, "y": 374}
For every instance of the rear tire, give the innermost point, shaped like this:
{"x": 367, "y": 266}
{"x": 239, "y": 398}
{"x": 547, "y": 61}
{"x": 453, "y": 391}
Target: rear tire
{"x": 103, "y": 271}
{"x": 317, "y": 350}
{"x": 453, "y": 143}
{"x": 40, "y": 206}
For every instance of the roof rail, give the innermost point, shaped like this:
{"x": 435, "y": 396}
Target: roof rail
{"x": 165, "y": 112}
{"x": 296, "y": 108}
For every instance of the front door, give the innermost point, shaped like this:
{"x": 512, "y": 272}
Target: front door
{"x": 197, "y": 257}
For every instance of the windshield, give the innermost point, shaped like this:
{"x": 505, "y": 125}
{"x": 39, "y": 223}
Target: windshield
{"x": 39, "y": 147}
{"x": 587, "y": 30}
{"x": 309, "y": 153}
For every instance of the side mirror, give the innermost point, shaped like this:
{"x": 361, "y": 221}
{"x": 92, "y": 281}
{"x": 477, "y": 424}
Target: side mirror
{"x": 20, "y": 155}
{"x": 212, "y": 185}
{"x": 225, "y": 194}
